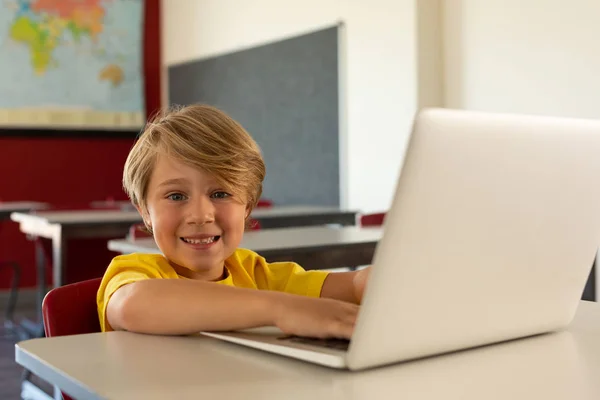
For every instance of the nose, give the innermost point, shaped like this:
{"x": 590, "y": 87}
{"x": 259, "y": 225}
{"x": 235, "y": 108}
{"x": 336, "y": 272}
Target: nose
{"x": 201, "y": 211}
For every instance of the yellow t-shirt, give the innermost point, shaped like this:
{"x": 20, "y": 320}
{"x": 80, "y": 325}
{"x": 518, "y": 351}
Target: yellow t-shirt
{"x": 245, "y": 269}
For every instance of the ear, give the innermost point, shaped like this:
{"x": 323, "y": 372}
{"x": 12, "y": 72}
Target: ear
{"x": 248, "y": 211}
{"x": 145, "y": 216}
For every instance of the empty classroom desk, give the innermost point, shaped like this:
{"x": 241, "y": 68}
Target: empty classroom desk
{"x": 288, "y": 216}
{"x": 9, "y": 207}
{"x": 59, "y": 226}
{"x": 313, "y": 247}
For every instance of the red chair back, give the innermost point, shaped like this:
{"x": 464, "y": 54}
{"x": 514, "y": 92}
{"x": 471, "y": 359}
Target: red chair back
{"x": 264, "y": 203}
{"x": 375, "y": 219}
{"x": 72, "y": 309}
{"x": 253, "y": 225}
{"x": 138, "y": 231}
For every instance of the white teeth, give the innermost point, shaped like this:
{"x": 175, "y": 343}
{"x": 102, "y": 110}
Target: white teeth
{"x": 200, "y": 241}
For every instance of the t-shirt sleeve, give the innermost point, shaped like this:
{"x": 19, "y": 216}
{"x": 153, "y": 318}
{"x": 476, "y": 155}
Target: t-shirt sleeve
{"x": 122, "y": 271}
{"x": 289, "y": 277}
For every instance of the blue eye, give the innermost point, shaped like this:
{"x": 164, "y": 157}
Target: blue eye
{"x": 176, "y": 197}
{"x": 220, "y": 195}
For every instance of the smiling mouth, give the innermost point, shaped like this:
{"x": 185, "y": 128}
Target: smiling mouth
{"x": 207, "y": 240}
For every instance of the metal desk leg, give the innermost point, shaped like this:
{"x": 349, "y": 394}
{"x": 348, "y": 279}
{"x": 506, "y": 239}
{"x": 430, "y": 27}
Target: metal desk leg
{"x": 40, "y": 261}
{"x": 29, "y": 391}
{"x": 35, "y": 329}
{"x": 59, "y": 250}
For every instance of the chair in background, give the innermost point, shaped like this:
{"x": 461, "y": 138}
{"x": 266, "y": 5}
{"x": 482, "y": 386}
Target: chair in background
{"x": 370, "y": 220}
{"x": 253, "y": 225}
{"x": 138, "y": 231}
{"x": 264, "y": 203}
{"x": 375, "y": 219}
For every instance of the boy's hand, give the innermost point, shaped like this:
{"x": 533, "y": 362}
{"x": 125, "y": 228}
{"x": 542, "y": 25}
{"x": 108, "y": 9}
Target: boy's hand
{"x": 360, "y": 282}
{"x": 316, "y": 317}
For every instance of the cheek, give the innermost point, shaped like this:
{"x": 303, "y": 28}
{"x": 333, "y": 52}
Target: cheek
{"x": 162, "y": 220}
{"x": 235, "y": 217}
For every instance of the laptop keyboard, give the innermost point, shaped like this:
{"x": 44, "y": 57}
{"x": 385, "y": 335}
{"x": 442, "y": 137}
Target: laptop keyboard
{"x": 337, "y": 344}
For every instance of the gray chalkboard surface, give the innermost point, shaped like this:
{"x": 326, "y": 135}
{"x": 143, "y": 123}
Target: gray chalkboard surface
{"x": 286, "y": 95}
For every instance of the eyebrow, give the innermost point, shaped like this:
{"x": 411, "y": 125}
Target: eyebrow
{"x": 175, "y": 181}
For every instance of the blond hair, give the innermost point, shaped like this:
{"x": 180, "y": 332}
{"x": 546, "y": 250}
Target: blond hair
{"x": 204, "y": 137}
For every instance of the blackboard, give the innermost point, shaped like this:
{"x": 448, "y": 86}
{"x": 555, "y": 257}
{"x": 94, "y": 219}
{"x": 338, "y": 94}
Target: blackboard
{"x": 285, "y": 94}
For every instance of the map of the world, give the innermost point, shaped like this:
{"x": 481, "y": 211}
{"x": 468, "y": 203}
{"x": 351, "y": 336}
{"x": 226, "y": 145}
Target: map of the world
{"x": 71, "y": 63}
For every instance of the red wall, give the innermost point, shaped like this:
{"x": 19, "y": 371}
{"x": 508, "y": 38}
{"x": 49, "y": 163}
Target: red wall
{"x": 65, "y": 171}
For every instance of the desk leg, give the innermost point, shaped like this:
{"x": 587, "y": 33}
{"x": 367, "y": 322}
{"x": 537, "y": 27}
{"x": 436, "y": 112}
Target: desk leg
{"x": 40, "y": 261}
{"x": 57, "y": 393}
{"x": 59, "y": 250}
{"x": 31, "y": 392}
{"x": 35, "y": 329}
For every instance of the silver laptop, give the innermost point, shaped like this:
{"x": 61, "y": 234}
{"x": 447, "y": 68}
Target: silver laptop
{"x": 491, "y": 236}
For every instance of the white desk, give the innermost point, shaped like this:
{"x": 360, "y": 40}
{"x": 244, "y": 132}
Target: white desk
{"x": 61, "y": 225}
{"x": 58, "y": 226}
{"x": 316, "y": 247}
{"x": 9, "y": 207}
{"x": 122, "y": 365}
{"x": 287, "y": 216}
{"x": 119, "y": 204}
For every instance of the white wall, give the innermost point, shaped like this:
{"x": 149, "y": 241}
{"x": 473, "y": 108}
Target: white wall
{"x": 430, "y": 63}
{"x": 526, "y": 56}
{"x": 379, "y": 78}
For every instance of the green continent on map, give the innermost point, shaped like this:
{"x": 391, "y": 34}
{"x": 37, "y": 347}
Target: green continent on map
{"x": 81, "y": 59}
{"x": 42, "y": 29}
{"x": 41, "y": 37}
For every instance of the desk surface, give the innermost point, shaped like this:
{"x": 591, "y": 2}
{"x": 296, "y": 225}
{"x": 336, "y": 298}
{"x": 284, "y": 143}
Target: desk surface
{"x": 74, "y": 217}
{"x": 286, "y": 211}
{"x": 92, "y": 216}
{"x": 122, "y": 365}
{"x": 274, "y": 239}
{"x": 8, "y": 207}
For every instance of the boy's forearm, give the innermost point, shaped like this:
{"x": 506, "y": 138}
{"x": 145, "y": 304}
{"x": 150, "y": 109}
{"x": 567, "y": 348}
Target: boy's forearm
{"x": 340, "y": 286}
{"x": 177, "y": 307}
{"x": 346, "y": 286}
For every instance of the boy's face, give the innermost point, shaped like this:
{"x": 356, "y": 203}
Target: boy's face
{"x": 196, "y": 223}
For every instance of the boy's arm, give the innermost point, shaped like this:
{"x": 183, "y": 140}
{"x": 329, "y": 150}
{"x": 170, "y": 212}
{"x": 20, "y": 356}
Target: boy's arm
{"x": 178, "y": 306}
{"x": 346, "y": 286}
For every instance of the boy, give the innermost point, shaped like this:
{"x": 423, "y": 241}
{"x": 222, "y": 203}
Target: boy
{"x": 195, "y": 175}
